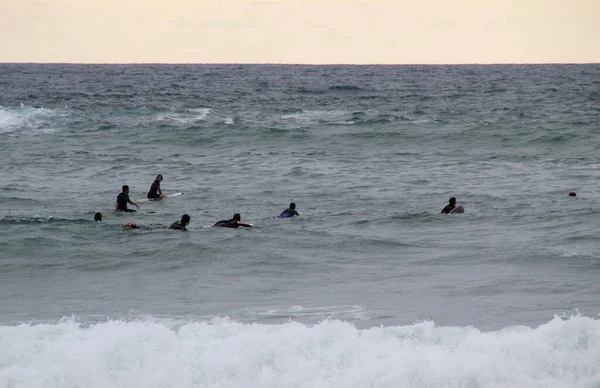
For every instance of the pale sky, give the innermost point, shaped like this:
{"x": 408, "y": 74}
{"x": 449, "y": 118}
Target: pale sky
{"x": 300, "y": 31}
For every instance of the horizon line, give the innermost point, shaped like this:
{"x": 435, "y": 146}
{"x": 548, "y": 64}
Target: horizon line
{"x": 303, "y": 64}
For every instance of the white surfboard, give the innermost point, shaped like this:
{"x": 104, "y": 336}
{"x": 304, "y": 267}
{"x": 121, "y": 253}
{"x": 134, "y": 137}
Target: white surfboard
{"x": 157, "y": 199}
{"x": 174, "y": 195}
{"x": 459, "y": 209}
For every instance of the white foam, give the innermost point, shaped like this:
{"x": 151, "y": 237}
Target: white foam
{"x": 310, "y": 116}
{"x": 27, "y": 118}
{"x": 223, "y": 353}
{"x": 10, "y": 120}
{"x": 188, "y": 117}
{"x": 321, "y": 313}
{"x": 199, "y": 113}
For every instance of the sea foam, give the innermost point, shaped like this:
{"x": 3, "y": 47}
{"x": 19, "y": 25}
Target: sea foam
{"x": 224, "y": 353}
{"x": 34, "y": 120}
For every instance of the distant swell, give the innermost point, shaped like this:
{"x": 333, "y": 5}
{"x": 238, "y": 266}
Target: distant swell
{"x": 348, "y": 88}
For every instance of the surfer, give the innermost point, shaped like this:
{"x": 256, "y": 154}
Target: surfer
{"x": 289, "y": 212}
{"x": 450, "y": 206}
{"x": 123, "y": 200}
{"x": 155, "y": 190}
{"x": 98, "y": 217}
{"x": 181, "y": 224}
{"x": 234, "y": 222}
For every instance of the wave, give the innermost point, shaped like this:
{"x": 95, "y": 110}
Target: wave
{"x": 349, "y": 88}
{"x": 13, "y": 220}
{"x": 340, "y": 117}
{"x": 225, "y": 353}
{"x": 33, "y": 120}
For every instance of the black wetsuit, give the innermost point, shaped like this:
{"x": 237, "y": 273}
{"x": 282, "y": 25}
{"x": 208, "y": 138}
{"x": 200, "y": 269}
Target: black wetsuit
{"x": 288, "y": 213}
{"x": 177, "y": 225}
{"x": 122, "y": 200}
{"x": 448, "y": 209}
{"x": 231, "y": 224}
{"x": 153, "y": 193}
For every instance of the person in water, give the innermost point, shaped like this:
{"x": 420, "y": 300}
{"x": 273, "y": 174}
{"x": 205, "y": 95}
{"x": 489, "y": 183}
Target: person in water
{"x": 130, "y": 224}
{"x": 155, "y": 190}
{"x": 123, "y": 200}
{"x": 181, "y": 224}
{"x": 234, "y": 222}
{"x": 177, "y": 225}
{"x": 450, "y": 206}
{"x": 289, "y": 212}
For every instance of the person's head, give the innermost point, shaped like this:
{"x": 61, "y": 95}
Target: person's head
{"x": 185, "y": 219}
{"x": 159, "y": 178}
{"x": 292, "y": 206}
{"x": 452, "y": 201}
{"x": 98, "y": 217}
{"x": 237, "y": 217}
{"x": 125, "y": 188}
{"x": 572, "y": 194}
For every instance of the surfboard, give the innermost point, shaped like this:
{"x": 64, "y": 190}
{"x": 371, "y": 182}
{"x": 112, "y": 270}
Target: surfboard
{"x": 459, "y": 209}
{"x": 158, "y": 199}
{"x": 174, "y": 195}
{"x": 279, "y": 216}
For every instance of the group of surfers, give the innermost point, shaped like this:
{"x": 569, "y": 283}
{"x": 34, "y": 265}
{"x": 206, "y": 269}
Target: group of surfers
{"x": 155, "y": 193}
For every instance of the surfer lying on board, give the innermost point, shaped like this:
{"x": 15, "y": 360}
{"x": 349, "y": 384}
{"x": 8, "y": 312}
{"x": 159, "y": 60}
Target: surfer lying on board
{"x": 123, "y": 200}
{"x": 289, "y": 212}
{"x": 177, "y": 225}
{"x": 234, "y": 222}
{"x": 155, "y": 190}
{"x": 450, "y": 206}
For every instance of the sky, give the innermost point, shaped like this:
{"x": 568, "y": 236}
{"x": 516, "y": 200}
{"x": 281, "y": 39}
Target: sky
{"x": 300, "y": 31}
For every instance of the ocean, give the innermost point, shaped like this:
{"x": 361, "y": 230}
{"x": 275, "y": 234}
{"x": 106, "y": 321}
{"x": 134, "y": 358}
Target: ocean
{"x": 369, "y": 287}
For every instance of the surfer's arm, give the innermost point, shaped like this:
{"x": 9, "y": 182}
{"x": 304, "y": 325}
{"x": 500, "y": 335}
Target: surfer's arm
{"x": 133, "y": 203}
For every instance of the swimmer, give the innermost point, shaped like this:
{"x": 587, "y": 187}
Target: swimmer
{"x": 123, "y": 200}
{"x": 155, "y": 190}
{"x": 289, "y": 212}
{"x": 98, "y": 217}
{"x": 234, "y": 222}
{"x": 450, "y": 206}
{"x": 181, "y": 224}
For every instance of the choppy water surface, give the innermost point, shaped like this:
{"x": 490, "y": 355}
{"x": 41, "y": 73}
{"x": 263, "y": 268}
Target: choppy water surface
{"x": 370, "y": 286}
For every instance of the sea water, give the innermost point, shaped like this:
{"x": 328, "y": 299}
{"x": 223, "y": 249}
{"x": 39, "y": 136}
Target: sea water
{"x": 370, "y": 286}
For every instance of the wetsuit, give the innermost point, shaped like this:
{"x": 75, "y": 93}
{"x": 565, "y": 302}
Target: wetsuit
{"x": 122, "y": 200}
{"x": 231, "y": 224}
{"x": 448, "y": 209}
{"x": 288, "y": 213}
{"x": 153, "y": 193}
{"x": 177, "y": 225}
